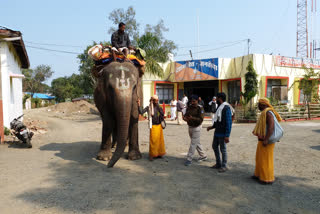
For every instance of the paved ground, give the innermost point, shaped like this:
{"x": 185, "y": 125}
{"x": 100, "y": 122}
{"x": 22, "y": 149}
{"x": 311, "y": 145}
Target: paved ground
{"x": 60, "y": 174}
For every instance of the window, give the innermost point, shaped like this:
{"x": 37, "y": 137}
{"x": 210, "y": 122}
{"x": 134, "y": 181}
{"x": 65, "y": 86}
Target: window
{"x": 234, "y": 91}
{"x": 165, "y": 93}
{"x": 277, "y": 90}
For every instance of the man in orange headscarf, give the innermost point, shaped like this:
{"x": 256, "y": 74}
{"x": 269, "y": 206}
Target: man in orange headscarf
{"x": 264, "y": 171}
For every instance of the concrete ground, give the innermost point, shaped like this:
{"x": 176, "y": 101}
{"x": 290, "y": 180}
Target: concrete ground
{"x": 61, "y": 175}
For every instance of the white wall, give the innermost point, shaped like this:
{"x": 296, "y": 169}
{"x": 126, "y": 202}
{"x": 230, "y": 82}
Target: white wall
{"x": 11, "y": 87}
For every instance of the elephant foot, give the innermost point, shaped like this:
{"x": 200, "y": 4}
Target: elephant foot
{"x": 104, "y": 155}
{"x": 134, "y": 155}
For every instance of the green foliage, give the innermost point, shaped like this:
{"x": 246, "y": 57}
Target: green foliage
{"x": 251, "y": 86}
{"x": 128, "y": 17}
{"x": 309, "y": 85}
{"x": 152, "y": 41}
{"x": 6, "y": 131}
{"x": 68, "y": 87}
{"x": 85, "y": 67}
{"x": 250, "y": 115}
{"x": 155, "y": 53}
{"x": 36, "y": 101}
{"x": 157, "y": 31}
{"x": 35, "y": 78}
{"x": 24, "y": 99}
{"x": 273, "y": 101}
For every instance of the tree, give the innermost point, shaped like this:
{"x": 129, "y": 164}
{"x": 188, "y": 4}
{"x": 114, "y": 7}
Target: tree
{"x": 155, "y": 53}
{"x": 67, "y": 87}
{"x": 309, "y": 86}
{"x": 127, "y": 17}
{"x": 157, "y": 31}
{"x": 251, "y": 86}
{"x": 85, "y": 67}
{"x": 35, "y": 78}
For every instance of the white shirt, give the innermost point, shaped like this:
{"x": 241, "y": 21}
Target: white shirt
{"x": 185, "y": 100}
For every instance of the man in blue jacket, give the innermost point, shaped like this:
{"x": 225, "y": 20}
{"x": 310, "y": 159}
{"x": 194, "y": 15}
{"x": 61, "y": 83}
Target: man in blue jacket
{"x": 222, "y": 124}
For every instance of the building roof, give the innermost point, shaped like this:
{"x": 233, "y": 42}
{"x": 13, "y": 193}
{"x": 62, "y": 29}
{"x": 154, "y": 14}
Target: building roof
{"x": 41, "y": 96}
{"x": 17, "y": 44}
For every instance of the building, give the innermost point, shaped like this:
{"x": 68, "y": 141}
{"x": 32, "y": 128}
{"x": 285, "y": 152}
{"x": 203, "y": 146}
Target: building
{"x": 13, "y": 58}
{"x": 207, "y": 77}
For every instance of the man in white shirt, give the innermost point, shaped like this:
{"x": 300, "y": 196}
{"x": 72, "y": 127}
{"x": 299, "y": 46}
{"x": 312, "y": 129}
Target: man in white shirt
{"x": 185, "y": 102}
{"x": 213, "y": 104}
{"x": 173, "y": 105}
{"x": 185, "y": 99}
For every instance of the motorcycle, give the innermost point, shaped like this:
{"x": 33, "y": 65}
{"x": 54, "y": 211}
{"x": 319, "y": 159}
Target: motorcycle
{"x": 21, "y": 131}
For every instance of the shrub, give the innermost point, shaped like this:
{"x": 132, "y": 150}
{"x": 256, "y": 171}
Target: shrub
{"x": 6, "y": 131}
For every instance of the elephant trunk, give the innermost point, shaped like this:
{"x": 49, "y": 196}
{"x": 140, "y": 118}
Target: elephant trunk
{"x": 123, "y": 104}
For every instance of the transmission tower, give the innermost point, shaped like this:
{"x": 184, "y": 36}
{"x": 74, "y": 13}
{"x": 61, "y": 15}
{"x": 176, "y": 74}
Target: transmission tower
{"x": 302, "y": 28}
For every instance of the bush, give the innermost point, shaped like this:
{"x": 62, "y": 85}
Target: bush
{"x": 24, "y": 99}
{"x": 6, "y": 131}
{"x": 36, "y": 101}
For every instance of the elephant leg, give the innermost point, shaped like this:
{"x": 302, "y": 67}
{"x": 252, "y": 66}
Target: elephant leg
{"x": 105, "y": 148}
{"x": 134, "y": 152}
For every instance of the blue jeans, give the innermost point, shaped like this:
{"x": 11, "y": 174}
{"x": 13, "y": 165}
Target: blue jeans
{"x": 219, "y": 141}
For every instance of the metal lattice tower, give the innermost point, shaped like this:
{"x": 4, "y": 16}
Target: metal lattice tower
{"x": 302, "y": 28}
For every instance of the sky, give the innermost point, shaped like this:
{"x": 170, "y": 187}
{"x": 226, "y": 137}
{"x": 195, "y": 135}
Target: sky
{"x": 213, "y": 28}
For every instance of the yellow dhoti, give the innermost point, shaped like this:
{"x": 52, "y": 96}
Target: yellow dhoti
{"x": 156, "y": 147}
{"x": 264, "y": 162}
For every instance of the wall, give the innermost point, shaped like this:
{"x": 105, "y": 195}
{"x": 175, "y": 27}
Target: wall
{"x": 265, "y": 67}
{"x": 149, "y": 81}
{"x": 11, "y": 87}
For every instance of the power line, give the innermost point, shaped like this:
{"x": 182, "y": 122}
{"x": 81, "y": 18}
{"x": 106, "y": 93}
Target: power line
{"x": 48, "y": 44}
{"x": 193, "y": 46}
{"x": 235, "y": 43}
{"x": 47, "y": 49}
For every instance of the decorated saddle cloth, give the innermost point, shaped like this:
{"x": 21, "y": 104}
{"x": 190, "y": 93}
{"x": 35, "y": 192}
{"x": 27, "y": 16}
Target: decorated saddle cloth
{"x": 103, "y": 55}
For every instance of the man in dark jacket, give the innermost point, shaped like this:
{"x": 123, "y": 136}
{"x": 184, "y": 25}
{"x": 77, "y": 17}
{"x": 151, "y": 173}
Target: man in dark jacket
{"x": 194, "y": 117}
{"x": 222, "y": 123}
{"x": 120, "y": 41}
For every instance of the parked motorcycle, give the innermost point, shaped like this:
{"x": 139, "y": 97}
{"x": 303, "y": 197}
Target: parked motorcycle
{"x": 21, "y": 131}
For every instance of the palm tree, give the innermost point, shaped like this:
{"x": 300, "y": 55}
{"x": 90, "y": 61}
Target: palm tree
{"x": 155, "y": 53}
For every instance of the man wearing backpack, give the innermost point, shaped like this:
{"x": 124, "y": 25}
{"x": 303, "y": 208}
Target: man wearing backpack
{"x": 213, "y": 104}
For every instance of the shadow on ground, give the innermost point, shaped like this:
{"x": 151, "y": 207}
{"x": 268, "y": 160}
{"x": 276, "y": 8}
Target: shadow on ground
{"x": 16, "y": 144}
{"x": 315, "y": 147}
{"x": 84, "y": 185}
{"x": 317, "y": 130}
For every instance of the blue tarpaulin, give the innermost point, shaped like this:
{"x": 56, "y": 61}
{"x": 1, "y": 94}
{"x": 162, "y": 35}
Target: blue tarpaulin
{"x": 42, "y": 96}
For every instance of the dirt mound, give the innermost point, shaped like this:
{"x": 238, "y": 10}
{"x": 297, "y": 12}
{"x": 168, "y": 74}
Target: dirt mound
{"x": 36, "y": 126}
{"x": 81, "y": 106}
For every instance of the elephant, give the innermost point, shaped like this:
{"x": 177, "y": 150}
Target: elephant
{"x": 118, "y": 88}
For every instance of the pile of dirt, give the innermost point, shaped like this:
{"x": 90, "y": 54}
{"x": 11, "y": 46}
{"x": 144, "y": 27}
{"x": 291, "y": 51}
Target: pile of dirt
{"x": 77, "y": 107}
{"x": 36, "y": 126}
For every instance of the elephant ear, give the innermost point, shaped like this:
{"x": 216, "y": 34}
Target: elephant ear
{"x": 96, "y": 71}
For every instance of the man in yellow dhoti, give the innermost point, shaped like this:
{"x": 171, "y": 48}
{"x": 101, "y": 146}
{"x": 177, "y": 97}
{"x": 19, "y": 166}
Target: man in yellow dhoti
{"x": 155, "y": 115}
{"x": 264, "y": 171}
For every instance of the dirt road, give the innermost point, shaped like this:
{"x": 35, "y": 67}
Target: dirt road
{"x": 61, "y": 175}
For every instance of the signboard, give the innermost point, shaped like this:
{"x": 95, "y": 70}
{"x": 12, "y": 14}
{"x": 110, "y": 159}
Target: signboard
{"x": 203, "y": 69}
{"x": 296, "y": 62}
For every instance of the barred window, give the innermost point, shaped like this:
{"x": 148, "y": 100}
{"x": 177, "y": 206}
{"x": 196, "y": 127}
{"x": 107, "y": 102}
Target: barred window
{"x": 165, "y": 93}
